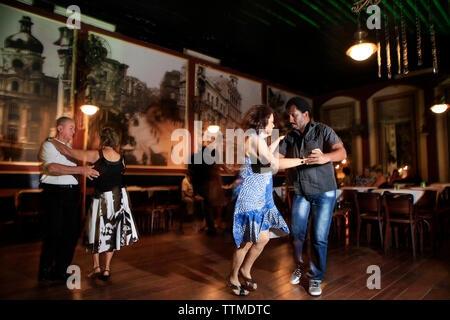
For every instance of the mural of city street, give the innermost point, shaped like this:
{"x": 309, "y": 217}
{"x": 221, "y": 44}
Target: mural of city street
{"x": 35, "y": 73}
{"x": 142, "y": 93}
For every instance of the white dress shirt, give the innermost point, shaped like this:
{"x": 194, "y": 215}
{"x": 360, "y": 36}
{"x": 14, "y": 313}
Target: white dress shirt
{"x": 49, "y": 154}
{"x": 186, "y": 186}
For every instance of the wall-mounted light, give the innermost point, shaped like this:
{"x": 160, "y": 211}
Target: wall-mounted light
{"x": 213, "y": 129}
{"x": 441, "y": 105}
{"x": 440, "y": 108}
{"x": 89, "y": 109}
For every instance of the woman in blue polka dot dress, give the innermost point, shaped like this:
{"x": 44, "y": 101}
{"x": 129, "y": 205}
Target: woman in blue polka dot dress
{"x": 256, "y": 219}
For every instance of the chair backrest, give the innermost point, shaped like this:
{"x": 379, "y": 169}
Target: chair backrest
{"x": 138, "y": 198}
{"x": 428, "y": 200}
{"x": 161, "y": 197}
{"x": 349, "y": 195}
{"x": 444, "y": 198}
{"x": 28, "y": 201}
{"x": 399, "y": 204}
{"x": 8, "y": 209}
{"x": 348, "y": 199}
{"x": 174, "y": 196}
{"x": 368, "y": 202}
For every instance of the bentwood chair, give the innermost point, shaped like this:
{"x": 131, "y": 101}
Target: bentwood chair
{"x": 141, "y": 208}
{"x": 369, "y": 208}
{"x": 399, "y": 209}
{"x": 427, "y": 210}
{"x": 28, "y": 207}
{"x": 443, "y": 215}
{"x": 343, "y": 211}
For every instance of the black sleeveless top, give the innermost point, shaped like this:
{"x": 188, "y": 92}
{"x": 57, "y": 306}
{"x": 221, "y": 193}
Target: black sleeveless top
{"x": 110, "y": 174}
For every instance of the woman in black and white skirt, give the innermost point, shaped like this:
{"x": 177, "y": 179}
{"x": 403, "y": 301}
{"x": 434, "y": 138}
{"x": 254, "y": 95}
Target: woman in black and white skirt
{"x": 110, "y": 224}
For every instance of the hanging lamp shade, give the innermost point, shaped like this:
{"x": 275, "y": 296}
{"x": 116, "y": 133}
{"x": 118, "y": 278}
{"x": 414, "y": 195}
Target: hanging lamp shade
{"x": 362, "y": 49}
{"x": 89, "y": 109}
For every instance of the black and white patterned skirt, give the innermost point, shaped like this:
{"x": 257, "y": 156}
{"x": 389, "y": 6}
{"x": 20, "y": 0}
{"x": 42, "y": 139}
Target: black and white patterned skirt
{"x": 110, "y": 224}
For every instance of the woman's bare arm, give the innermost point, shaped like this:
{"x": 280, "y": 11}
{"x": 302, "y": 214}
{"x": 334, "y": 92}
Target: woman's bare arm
{"x": 275, "y": 144}
{"x": 82, "y": 155}
{"x": 258, "y": 149}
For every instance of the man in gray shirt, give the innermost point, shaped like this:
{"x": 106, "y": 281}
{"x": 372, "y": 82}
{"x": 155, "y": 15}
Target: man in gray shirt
{"x": 314, "y": 183}
{"x": 60, "y": 197}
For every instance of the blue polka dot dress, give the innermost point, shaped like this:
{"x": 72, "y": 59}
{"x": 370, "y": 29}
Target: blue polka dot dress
{"x": 255, "y": 210}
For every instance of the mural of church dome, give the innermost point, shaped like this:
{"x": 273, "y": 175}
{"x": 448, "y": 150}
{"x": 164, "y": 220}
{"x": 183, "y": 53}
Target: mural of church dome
{"x": 24, "y": 40}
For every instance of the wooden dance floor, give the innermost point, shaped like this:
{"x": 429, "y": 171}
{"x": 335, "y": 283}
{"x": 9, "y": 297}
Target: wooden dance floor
{"x": 194, "y": 266}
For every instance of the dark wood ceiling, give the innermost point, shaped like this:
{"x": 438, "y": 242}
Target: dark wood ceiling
{"x": 300, "y": 44}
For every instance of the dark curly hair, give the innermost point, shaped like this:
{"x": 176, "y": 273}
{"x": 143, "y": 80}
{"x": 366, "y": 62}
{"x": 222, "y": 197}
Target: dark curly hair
{"x": 109, "y": 138}
{"x": 257, "y": 117}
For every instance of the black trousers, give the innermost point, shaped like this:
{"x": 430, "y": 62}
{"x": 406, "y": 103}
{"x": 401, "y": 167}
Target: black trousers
{"x": 60, "y": 221}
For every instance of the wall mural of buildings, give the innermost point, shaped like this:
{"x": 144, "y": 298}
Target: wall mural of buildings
{"x": 142, "y": 93}
{"x": 35, "y": 73}
{"x": 223, "y": 99}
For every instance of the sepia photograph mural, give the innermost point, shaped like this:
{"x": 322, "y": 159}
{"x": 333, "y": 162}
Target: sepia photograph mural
{"x": 35, "y": 81}
{"x": 142, "y": 93}
{"x": 222, "y": 99}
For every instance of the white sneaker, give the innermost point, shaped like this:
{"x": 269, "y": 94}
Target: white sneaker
{"x": 296, "y": 275}
{"x": 314, "y": 288}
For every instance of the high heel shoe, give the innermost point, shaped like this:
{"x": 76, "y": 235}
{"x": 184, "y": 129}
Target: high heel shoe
{"x": 235, "y": 287}
{"x": 94, "y": 274}
{"x": 249, "y": 283}
{"x": 105, "y": 277}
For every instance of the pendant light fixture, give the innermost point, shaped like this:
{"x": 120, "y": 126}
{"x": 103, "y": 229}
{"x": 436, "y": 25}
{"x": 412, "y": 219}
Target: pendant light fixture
{"x": 362, "y": 49}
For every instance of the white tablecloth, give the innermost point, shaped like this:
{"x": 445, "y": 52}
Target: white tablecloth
{"x": 359, "y": 189}
{"x": 439, "y": 186}
{"x": 417, "y": 194}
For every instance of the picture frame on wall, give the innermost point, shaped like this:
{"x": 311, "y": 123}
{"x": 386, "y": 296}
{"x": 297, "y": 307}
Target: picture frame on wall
{"x": 141, "y": 92}
{"x": 35, "y": 83}
{"x": 222, "y": 99}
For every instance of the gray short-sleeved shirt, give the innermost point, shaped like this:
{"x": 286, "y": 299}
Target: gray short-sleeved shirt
{"x": 310, "y": 179}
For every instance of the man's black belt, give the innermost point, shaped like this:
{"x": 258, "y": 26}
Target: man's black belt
{"x": 60, "y": 186}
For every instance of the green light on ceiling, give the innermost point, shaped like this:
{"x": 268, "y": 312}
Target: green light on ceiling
{"x": 312, "y": 22}
{"x": 434, "y": 20}
{"x": 442, "y": 11}
{"x": 315, "y": 8}
{"x": 267, "y": 23}
{"x": 405, "y": 12}
{"x": 344, "y": 12}
{"x": 275, "y": 15}
{"x": 416, "y": 10}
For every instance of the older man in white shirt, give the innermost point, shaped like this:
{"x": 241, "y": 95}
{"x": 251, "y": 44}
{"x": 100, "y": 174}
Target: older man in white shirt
{"x": 60, "y": 216}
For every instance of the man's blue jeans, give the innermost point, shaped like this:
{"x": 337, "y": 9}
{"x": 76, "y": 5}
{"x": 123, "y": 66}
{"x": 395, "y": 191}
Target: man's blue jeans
{"x": 321, "y": 207}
